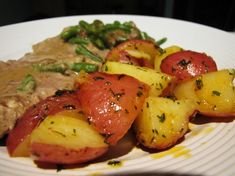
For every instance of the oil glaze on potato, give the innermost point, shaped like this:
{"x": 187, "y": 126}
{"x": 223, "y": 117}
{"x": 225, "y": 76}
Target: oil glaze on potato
{"x": 157, "y": 81}
{"x": 213, "y": 92}
{"x": 163, "y": 122}
{"x": 66, "y": 139}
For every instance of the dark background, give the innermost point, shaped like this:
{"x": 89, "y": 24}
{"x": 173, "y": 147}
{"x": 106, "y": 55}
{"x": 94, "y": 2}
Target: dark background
{"x": 215, "y": 13}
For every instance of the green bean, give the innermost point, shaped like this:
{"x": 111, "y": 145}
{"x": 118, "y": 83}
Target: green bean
{"x": 161, "y": 41}
{"x": 87, "y": 67}
{"x": 69, "y": 33}
{"x": 27, "y": 85}
{"x": 60, "y": 68}
{"x": 84, "y": 51}
{"x": 78, "y": 40}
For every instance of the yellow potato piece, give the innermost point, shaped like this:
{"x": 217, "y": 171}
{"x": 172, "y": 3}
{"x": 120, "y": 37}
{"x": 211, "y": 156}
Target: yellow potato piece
{"x": 163, "y": 121}
{"x": 157, "y": 81}
{"x": 67, "y": 130}
{"x": 214, "y": 92}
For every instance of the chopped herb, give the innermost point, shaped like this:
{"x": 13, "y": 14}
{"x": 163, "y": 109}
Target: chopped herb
{"x": 116, "y": 95}
{"x": 27, "y": 85}
{"x": 215, "y": 93}
{"x": 199, "y": 83}
{"x": 154, "y": 131}
{"x": 162, "y": 117}
{"x": 163, "y": 135}
{"x": 59, "y": 93}
{"x": 114, "y": 163}
{"x": 126, "y": 111}
{"x": 106, "y": 68}
{"x": 184, "y": 63}
{"x": 58, "y": 132}
{"x": 52, "y": 122}
{"x": 74, "y": 132}
{"x": 147, "y": 104}
{"x": 106, "y": 137}
{"x": 139, "y": 93}
{"x": 98, "y": 78}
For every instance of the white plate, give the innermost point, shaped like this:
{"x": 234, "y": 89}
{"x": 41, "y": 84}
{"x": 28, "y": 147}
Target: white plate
{"x": 209, "y": 149}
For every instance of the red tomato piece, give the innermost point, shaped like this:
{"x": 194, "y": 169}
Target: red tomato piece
{"x": 187, "y": 64}
{"x": 111, "y": 103}
{"x": 62, "y": 100}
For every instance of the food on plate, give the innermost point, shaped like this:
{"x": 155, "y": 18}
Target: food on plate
{"x": 187, "y": 64}
{"x": 164, "y": 53}
{"x": 163, "y": 121}
{"x": 78, "y": 94}
{"x": 111, "y": 103}
{"x": 157, "y": 81}
{"x": 135, "y": 52}
{"x": 66, "y": 138}
{"x": 213, "y": 92}
{"x": 19, "y": 137}
{"x": 55, "y": 62}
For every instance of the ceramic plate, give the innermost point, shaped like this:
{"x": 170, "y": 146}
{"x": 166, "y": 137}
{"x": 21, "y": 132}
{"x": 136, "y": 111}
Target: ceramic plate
{"x": 209, "y": 149}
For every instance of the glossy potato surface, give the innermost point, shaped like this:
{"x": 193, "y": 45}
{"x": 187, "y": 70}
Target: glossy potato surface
{"x": 163, "y": 122}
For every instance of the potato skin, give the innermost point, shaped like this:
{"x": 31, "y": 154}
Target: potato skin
{"x": 187, "y": 64}
{"x": 111, "y": 103}
{"x": 163, "y": 122}
{"x": 63, "y": 155}
{"x": 119, "y": 53}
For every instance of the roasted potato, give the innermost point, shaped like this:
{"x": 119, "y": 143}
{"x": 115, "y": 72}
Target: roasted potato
{"x": 111, "y": 103}
{"x": 185, "y": 65}
{"x": 157, "y": 81}
{"x": 19, "y": 137}
{"x": 134, "y": 50}
{"x": 66, "y": 139}
{"x": 166, "y": 52}
{"x": 163, "y": 121}
{"x": 213, "y": 92}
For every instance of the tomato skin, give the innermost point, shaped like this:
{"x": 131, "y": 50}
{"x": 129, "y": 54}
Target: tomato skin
{"x": 185, "y": 65}
{"x": 111, "y": 103}
{"x": 62, "y": 100}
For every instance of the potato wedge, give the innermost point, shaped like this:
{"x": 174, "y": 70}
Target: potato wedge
{"x": 214, "y": 92}
{"x": 66, "y": 139}
{"x": 157, "y": 81}
{"x": 166, "y": 52}
{"x": 137, "y": 48}
{"x": 111, "y": 103}
{"x": 163, "y": 121}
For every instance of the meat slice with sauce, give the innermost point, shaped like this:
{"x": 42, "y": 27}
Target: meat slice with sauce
{"x": 13, "y": 102}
